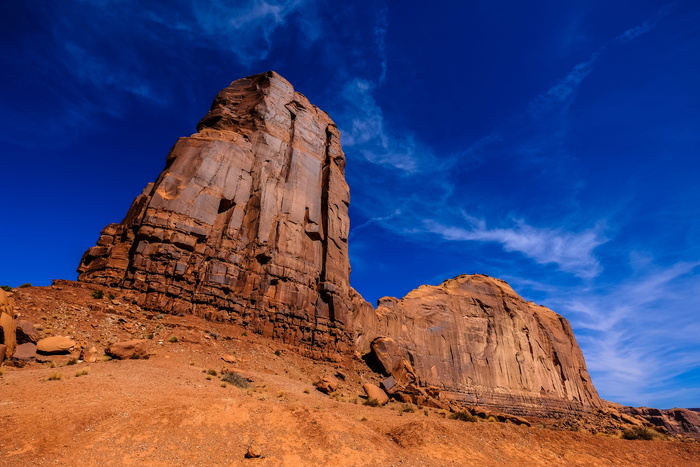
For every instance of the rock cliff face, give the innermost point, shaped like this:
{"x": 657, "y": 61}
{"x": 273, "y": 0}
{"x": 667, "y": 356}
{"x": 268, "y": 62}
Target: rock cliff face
{"x": 248, "y": 222}
{"x": 684, "y": 422}
{"x": 476, "y": 339}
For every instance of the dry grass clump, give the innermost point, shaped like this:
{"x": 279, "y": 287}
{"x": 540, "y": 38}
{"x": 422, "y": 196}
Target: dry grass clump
{"x": 464, "y": 416}
{"x": 234, "y": 378}
{"x": 82, "y": 372}
{"x": 55, "y": 376}
{"x": 640, "y": 432}
{"x": 372, "y": 402}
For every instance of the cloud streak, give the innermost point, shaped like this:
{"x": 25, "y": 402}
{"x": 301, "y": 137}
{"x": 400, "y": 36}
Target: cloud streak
{"x": 571, "y": 252}
{"x": 631, "y": 351}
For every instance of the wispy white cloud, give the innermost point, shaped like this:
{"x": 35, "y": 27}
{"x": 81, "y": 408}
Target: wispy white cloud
{"x": 639, "y": 335}
{"x": 571, "y": 251}
{"x": 562, "y": 95}
{"x": 380, "y": 32}
{"x": 366, "y": 132}
{"x": 246, "y": 28}
{"x": 645, "y": 26}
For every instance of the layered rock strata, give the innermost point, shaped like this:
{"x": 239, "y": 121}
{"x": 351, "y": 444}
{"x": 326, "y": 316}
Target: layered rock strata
{"x": 248, "y": 222}
{"x": 481, "y": 343}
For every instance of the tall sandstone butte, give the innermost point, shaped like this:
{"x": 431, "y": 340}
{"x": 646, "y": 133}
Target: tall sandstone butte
{"x": 248, "y": 223}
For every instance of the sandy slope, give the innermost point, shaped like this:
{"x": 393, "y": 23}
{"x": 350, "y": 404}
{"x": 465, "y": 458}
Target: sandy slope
{"x": 163, "y": 411}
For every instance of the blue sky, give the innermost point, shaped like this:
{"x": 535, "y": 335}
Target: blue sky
{"x": 551, "y": 144}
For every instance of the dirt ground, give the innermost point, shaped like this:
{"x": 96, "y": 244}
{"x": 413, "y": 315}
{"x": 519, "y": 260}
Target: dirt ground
{"x": 169, "y": 409}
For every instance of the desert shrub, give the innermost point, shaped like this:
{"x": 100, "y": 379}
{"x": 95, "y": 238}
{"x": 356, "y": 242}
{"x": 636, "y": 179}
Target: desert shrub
{"x": 98, "y": 294}
{"x": 82, "y": 372}
{"x": 173, "y": 339}
{"x": 409, "y": 408}
{"x": 234, "y": 378}
{"x": 72, "y": 361}
{"x": 278, "y": 353}
{"x": 307, "y": 391}
{"x": 244, "y": 333}
{"x": 492, "y": 419}
{"x": 6, "y": 288}
{"x": 111, "y": 296}
{"x": 372, "y": 402}
{"x": 224, "y": 384}
{"x": 55, "y": 376}
{"x": 639, "y": 432}
{"x": 464, "y": 416}
{"x": 212, "y": 372}
{"x": 24, "y": 285}
{"x": 363, "y": 419}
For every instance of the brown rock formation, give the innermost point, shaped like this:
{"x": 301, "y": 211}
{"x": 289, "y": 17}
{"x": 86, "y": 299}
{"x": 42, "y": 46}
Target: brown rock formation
{"x": 479, "y": 341}
{"x": 684, "y": 422}
{"x": 8, "y": 324}
{"x": 248, "y": 222}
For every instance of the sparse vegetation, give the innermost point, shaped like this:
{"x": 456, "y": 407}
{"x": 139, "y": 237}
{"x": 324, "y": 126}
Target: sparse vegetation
{"x": 408, "y": 408}
{"x": 173, "y": 339}
{"x": 307, "y": 391}
{"x": 56, "y": 376}
{"x": 111, "y": 296}
{"x": 363, "y": 419}
{"x": 149, "y": 335}
{"x": 98, "y": 294}
{"x": 6, "y": 288}
{"x": 82, "y": 372}
{"x": 234, "y": 378}
{"x": 24, "y": 285}
{"x": 244, "y": 333}
{"x": 492, "y": 418}
{"x": 640, "y": 432}
{"x": 464, "y": 416}
{"x": 212, "y": 372}
{"x": 208, "y": 377}
{"x": 278, "y": 353}
{"x": 224, "y": 384}
{"x": 72, "y": 361}
{"x": 2, "y": 371}
{"x": 372, "y": 402}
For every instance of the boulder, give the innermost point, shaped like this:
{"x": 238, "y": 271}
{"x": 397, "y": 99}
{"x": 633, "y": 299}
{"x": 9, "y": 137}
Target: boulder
{"x": 126, "y": 350}
{"x": 26, "y": 332}
{"x": 55, "y": 345}
{"x": 253, "y": 451}
{"x": 228, "y": 358}
{"x": 375, "y": 392}
{"x": 26, "y": 351}
{"x": 3, "y": 352}
{"x": 89, "y": 355}
{"x": 327, "y": 385}
{"x": 7, "y": 323}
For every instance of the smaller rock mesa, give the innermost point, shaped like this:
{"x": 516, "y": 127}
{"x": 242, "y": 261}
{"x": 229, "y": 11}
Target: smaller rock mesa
{"x": 248, "y": 222}
{"x": 481, "y": 343}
